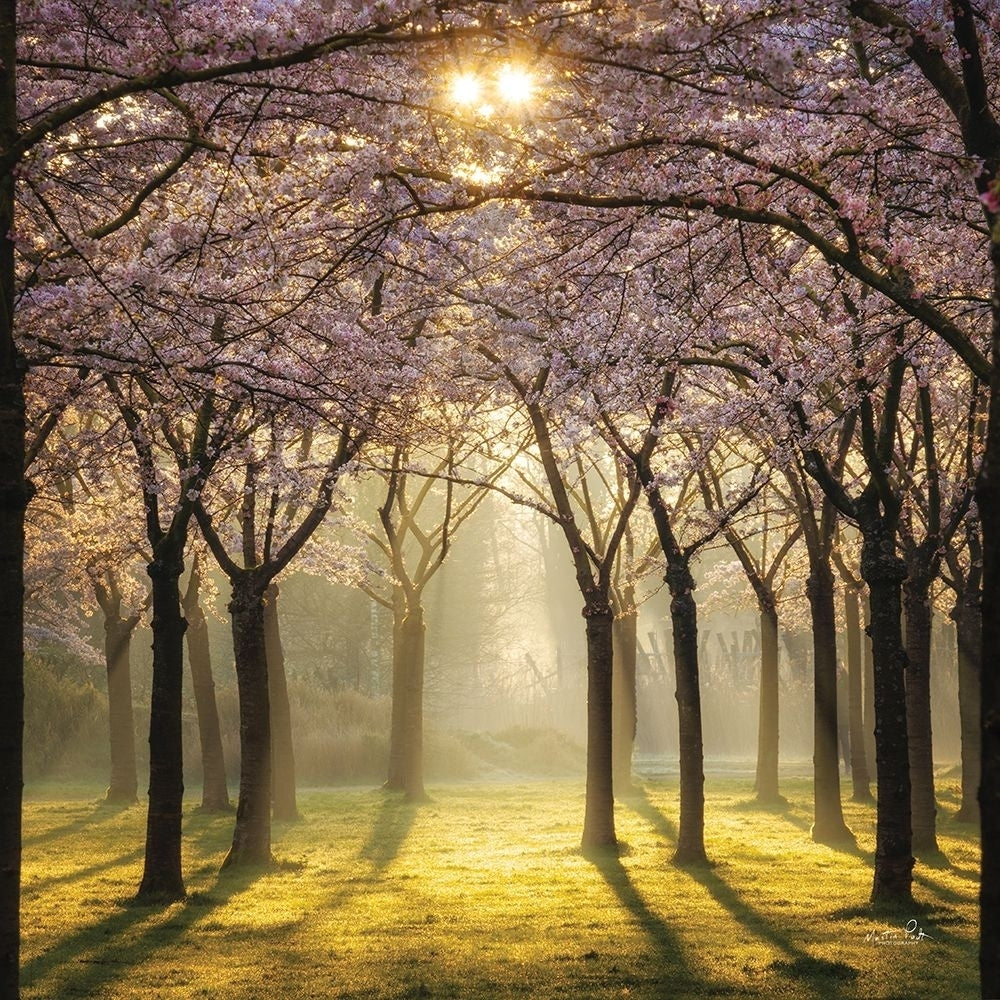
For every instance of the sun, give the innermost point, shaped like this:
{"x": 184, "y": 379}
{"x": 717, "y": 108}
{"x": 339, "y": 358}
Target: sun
{"x": 466, "y": 89}
{"x": 509, "y": 86}
{"x": 515, "y": 84}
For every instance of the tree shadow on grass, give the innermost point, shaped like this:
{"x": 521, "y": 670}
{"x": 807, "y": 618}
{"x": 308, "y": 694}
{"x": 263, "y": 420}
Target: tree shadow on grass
{"x": 389, "y": 831}
{"x": 671, "y": 965}
{"x": 829, "y": 980}
{"x": 784, "y": 810}
{"x": 787, "y": 812}
{"x": 390, "y": 827}
{"x": 849, "y": 847}
{"x": 211, "y": 831}
{"x": 96, "y": 955}
{"x": 34, "y": 886}
{"x": 969, "y": 874}
{"x": 640, "y": 804}
{"x": 933, "y": 858}
{"x": 943, "y": 892}
{"x": 98, "y": 813}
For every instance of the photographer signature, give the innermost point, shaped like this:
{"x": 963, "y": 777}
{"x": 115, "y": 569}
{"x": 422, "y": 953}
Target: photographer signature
{"x": 912, "y": 933}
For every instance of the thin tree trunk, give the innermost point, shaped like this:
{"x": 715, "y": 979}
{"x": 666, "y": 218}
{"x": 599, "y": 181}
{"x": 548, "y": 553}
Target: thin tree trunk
{"x": 124, "y": 781}
{"x": 413, "y": 633}
{"x": 923, "y": 807}
{"x": 884, "y": 572}
{"x": 283, "y": 801}
{"x": 869, "y": 688}
{"x": 599, "y": 814}
{"x": 969, "y": 627}
{"x": 406, "y": 733}
{"x": 215, "y": 788}
{"x": 252, "y": 835}
{"x": 623, "y": 698}
{"x": 860, "y": 776}
{"x": 161, "y": 877}
{"x": 828, "y": 822}
{"x": 14, "y": 495}
{"x": 396, "y": 781}
{"x": 684, "y": 625}
{"x": 766, "y": 784}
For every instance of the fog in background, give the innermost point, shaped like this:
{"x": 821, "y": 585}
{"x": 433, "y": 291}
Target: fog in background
{"x": 505, "y": 672}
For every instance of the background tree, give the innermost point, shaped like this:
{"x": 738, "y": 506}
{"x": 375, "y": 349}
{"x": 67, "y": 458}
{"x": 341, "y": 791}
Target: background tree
{"x": 876, "y": 511}
{"x": 858, "y": 678}
{"x": 88, "y": 502}
{"x": 963, "y": 577}
{"x": 214, "y": 786}
{"x": 934, "y": 511}
{"x": 167, "y": 538}
{"x": 423, "y": 509}
{"x": 118, "y": 630}
{"x": 263, "y": 554}
{"x": 762, "y": 552}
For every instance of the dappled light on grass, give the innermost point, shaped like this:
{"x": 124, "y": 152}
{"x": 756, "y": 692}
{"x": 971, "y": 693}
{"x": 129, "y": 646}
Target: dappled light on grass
{"x": 485, "y": 893}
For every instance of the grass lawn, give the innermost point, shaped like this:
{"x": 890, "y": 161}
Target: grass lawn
{"x": 484, "y": 893}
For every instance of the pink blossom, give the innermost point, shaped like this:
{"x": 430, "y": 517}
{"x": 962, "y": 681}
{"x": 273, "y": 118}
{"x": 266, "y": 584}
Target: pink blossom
{"x": 991, "y": 197}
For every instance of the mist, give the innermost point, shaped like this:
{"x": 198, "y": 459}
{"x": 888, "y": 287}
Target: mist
{"x": 505, "y": 691}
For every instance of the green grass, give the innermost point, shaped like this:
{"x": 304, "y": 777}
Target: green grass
{"x": 484, "y": 893}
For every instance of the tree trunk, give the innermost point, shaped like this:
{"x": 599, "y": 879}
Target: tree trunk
{"x": 124, "y": 781}
{"x": 623, "y": 699}
{"x": 988, "y": 502}
{"x": 860, "y": 776}
{"x": 14, "y": 495}
{"x": 599, "y": 813}
{"x": 968, "y": 626}
{"x": 766, "y": 784}
{"x": 884, "y": 572}
{"x": 282, "y": 751}
{"x": 161, "y": 877}
{"x": 828, "y": 817}
{"x": 869, "y": 689}
{"x": 252, "y": 835}
{"x": 406, "y": 737}
{"x": 414, "y": 634}
{"x": 684, "y": 625}
{"x": 215, "y": 788}
{"x": 923, "y": 807}
{"x": 395, "y": 781}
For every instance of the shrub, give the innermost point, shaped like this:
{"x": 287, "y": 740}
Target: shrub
{"x": 65, "y": 718}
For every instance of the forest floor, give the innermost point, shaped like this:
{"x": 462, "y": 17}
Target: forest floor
{"x": 484, "y": 893}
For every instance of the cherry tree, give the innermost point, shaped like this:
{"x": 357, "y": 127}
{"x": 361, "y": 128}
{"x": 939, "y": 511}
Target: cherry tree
{"x": 762, "y": 551}
{"x": 86, "y": 530}
{"x": 594, "y": 558}
{"x": 862, "y": 137}
{"x": 590, "y": 375}
{"x": 935, "y": 505}
{"x": 963, "y": 576}
{"x": 432, "y": 488}
{"x": 215, "y": 788}
{"x": 860, "y": 680}
{"x": 264, "y": 547}
{"x": 118, "y": 630}
{"x": 781, "y": 136}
